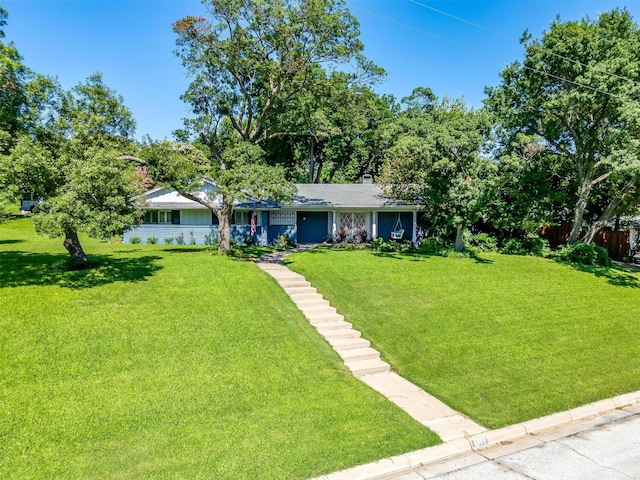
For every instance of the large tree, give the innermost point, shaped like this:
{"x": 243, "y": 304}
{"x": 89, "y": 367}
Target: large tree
{"x": 434, "y": 156}
{"x": 74, "y": 163}
{"x": 247, "y": 58}
{"x": 328, "y": 133}
{"x": 577, "y": 91}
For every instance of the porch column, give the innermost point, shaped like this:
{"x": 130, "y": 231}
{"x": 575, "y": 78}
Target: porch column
{"x": 415, "y": 226}
{"x": 374, "y": 225}
{"x": 334, "y": 226}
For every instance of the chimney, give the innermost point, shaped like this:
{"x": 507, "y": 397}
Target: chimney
{"x": 367, "y": 179}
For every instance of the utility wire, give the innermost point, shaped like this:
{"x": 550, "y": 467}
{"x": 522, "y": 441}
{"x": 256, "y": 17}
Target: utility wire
{"x": 499, "y": 34}
{"x": 482, "y": 52}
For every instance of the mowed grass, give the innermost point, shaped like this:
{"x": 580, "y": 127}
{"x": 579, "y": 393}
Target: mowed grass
{"x": 171, "y": 362}
{"x": 504, "y": 339}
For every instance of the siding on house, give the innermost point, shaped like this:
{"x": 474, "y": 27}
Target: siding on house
{"x": 202, "y": 234}
{"x": 195, "y": 217}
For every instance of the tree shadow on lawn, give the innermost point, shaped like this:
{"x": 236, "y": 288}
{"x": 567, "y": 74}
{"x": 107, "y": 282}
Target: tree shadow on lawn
{"x": 19, "y": 269}
{"x": 10, "y": 242}
{"x": 617, "y": 276}
{"x": 186, "y": 249}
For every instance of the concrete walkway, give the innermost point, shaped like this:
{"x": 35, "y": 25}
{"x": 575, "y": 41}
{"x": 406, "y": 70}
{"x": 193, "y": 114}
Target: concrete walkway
{"x": 363, "y": 361}
{"x": 465, "y": 442}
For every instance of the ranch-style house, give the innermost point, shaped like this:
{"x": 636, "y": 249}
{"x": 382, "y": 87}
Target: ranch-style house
{"x": 316, "y": 213}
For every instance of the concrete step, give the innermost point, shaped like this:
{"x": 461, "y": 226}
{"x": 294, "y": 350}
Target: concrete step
{"x": 316, "y": 319}
{"x": 305, "y": 296}
{"x": 286, "y": 276}
{"x": 318, "y": 310}
{"x": 367, "y": 367}
{"x": 294, "y": 282}
{"x": 311, "y": 301}
{"x": 299, "y": 290}
{"x": 331, "y": 335}
{"x": 341, "y": 344}
{"x": 356, "y": 354}
{"x": 339, "y": 325}
{"x": 272, "y": 267}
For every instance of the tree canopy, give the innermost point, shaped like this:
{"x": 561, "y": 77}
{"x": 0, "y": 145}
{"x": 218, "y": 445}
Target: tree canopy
{"x": 434, "y": 157}
{"x": 576, "y": 94}
{"x": 72, "y": 163}
{"x": 247, "y": 59}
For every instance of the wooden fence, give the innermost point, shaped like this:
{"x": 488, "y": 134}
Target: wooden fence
{"x": 616, "y": 242}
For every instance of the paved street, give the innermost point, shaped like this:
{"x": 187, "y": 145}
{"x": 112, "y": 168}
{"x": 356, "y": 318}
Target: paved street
{"x": 606, "y": 452}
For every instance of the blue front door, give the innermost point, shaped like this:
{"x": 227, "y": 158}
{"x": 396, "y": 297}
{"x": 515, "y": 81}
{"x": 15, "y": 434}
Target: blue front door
{"x": 313, "y": 227}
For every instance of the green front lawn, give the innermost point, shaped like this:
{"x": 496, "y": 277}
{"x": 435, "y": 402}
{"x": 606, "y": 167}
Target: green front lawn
{"x": 171, "y": 362}
{"x": 504, "y": 339}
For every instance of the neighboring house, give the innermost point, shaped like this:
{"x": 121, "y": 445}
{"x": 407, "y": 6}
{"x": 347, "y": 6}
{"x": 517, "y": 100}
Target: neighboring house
{"x": 316, "y": 213}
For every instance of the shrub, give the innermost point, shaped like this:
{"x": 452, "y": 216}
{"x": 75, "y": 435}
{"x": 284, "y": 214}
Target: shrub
{"x": 381, "y": 245}
{"x": 249, "y": 241}
{"x": 432, "y": 246}
{"x": 152, "y": 240}
{"x": 513, "y": 246}
{"x": 284, "y": 241}
{"x": 484, "y": 242}
{"x": 168, "y": 240}
{"x": 192, "y": 238}
{"x": 602, "y": 256}
{"x": 180, "y": 239}
{"x": 134, "y": 240}
{"x": 210, "y": 239}
{"x": 578, "y": 253}
{"x": 536, "y": 245}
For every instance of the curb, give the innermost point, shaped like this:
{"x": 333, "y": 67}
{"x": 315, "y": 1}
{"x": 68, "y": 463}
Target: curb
{"x": 495, "y": 443}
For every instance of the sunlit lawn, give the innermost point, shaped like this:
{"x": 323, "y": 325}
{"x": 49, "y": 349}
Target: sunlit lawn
{"x": 502, "y": 340}
{"x": 171, "y": 362}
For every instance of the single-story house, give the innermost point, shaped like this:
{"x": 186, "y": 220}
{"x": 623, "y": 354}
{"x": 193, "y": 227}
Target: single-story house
{"x": 315, "y": 213}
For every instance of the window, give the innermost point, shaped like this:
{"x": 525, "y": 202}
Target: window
{"x": 282, "y": 218}
{"x": 158, "y": 216}
{"x": 241, "y": 218}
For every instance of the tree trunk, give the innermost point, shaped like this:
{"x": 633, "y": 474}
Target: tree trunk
{"x": 606, "y": 216}
{"x": 319, "y": 172}
{"x": 578, "y": 214}
{"x": 458, "y": 246}
{"x": 594, "y": 228}
{"x": 72, "y": 244}
{"x": 311, "y": 160}
{"x": 224, "y": 230}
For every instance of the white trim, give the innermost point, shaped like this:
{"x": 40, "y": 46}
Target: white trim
{"x": 374, "y": 224}
{"x": 415, "y": 226}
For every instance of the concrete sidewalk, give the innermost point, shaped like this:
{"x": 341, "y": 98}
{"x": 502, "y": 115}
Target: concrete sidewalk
{"x": 465, "y": 442}
{"x": 606, "y": 447}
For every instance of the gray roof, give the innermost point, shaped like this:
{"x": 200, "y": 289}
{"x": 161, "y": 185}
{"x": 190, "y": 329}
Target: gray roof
{"x": 311, "y": 196}
{"x": 357, "y": 195}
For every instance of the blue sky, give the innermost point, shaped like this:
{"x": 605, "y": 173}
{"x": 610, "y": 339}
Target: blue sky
{"x": 131, "y": 43}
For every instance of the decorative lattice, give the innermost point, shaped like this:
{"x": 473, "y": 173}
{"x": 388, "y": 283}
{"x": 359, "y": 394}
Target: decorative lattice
{"x": 282, "y": 218}
{"x": 353, "y": 222}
